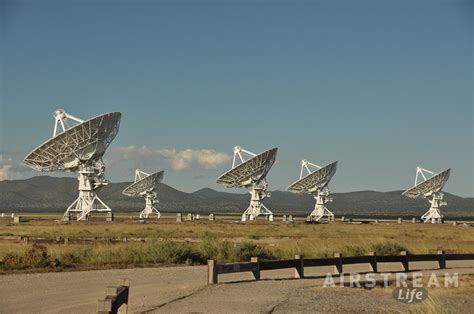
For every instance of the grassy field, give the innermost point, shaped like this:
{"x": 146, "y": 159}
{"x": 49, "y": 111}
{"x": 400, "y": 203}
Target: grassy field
{"x": 167, "y": 242}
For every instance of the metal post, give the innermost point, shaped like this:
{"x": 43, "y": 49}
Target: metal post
{"x": 405, "y": 260}
{"x": 373, "y": 262}
{"x": 442, "y": 259}
{"x": 338, "y": 262}
{"x": 211, "y": 272}
{"x": 299, "y": 272}
{"x": 256, "y": 273}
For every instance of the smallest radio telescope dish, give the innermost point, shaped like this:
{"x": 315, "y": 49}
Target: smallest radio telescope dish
{"x": 145, "y": 185}
{"x": 430, "y": 188}
{"x": 316, "y": 183}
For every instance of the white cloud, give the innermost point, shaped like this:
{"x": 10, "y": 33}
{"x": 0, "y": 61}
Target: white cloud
{"x": 9, "y": 169}
{"x": 176, "y": 159}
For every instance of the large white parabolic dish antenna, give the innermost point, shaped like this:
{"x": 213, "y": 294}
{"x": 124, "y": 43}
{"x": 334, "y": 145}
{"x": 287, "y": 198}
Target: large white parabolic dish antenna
{"x": 430, "y": 188}
{"x": 78, "y": 148}
{"x": 145, "y": 185}
{"x": 251, "y": 174}
{"x": 316, "y": 182}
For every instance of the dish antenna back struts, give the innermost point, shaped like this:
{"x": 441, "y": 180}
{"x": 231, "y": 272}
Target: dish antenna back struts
{"x": 145, "y": 186}
{"x": 249, "y": 171}
{"x": 78, "y": 146}
{"x": 430, "y": 188}
{"x": 315, "y": 182}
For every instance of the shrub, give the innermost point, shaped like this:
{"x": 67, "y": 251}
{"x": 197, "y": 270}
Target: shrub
{"x": 249, "y": 249}
{"x": 388, "y": 248}
{"x": 69, "y": 259}
{"x": 11, "y": 261}
{"x": 37, "y": 256}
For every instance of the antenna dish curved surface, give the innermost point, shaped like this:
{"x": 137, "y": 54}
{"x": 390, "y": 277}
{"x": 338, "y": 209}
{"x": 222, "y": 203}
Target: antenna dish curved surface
{"x": 145, "y": 184}
{"x": 82, "y": 142}
{"x": 428, "y": 187}
{"x": 250, "y": 171}
{"x": 315, "y": 180}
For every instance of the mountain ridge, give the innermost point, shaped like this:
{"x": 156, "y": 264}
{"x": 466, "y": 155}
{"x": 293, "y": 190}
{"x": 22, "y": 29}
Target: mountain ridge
{"x": 55, "y": 194}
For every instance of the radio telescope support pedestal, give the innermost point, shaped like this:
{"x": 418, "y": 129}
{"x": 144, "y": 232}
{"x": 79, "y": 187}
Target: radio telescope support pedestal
{"x": 320, "y": 211}
{"x": 150, "y": 201}
{"x": 434, "y": 214}
{"x": 256, "y": 208}
{"x": 90, "y": 180}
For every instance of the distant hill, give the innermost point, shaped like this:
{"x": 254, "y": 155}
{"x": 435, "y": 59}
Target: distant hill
{"x": 50, "y": 194}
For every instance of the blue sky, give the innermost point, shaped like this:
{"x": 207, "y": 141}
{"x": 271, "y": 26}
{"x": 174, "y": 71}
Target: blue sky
{"x": 380, "y": 86}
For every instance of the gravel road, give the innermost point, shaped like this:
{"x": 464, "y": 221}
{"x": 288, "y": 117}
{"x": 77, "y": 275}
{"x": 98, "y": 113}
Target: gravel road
{"x": 184, "y": 289}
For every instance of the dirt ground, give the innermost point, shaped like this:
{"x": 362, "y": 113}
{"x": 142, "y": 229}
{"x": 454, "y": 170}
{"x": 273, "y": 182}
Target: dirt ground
{"x": 184, "y": 289}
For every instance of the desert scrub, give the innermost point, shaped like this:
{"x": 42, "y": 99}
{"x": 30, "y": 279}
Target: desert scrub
{"x": 213, "y": 248}
{"x": 388, "y": 248}
{"x": 35, "y": 257}
{"x": 152, "y": 252}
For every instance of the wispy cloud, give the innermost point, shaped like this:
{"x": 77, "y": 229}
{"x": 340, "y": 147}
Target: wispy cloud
{"x": 12, "y": 169}
{"x": 178, "y": 160}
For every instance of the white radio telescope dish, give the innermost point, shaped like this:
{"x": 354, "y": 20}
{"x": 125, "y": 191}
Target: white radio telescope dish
{"x": 145, "y": 185}
{"x": 430, "y": 187}
{"x": 78, "y": 146}
{"x": 315, "y": 182}
{"x": 250, "y": 173}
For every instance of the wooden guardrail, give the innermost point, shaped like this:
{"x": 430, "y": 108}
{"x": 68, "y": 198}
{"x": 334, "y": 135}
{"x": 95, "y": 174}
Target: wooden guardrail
{"x": 257, "y": 265}
{"x": 116, "y": 299}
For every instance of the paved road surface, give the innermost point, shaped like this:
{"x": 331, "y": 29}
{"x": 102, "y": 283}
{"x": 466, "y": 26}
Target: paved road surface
{"x": 184, "y": 289}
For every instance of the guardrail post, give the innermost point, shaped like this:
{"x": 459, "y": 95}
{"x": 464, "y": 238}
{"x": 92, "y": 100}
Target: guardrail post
{"x": 124, "y": 282}
{"x": 442, "y": 259}
{"x": 299, "y": 272}
{"x": 116, "y": 299}
{"x": 66, "y": 241}
{"x": 256, "y": 273}
{"x": 211, "y": 272}
{"x": 338, "y": 262}
{"x": 26, "y": 239}
{"x": 373, "y": 262}
{"x": 405, "y": 260}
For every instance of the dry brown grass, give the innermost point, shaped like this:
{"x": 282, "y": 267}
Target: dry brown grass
{"x": 277, "y": 239}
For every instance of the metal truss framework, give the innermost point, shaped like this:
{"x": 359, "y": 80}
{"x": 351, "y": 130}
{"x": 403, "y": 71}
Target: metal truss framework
{"x": 257, "y": 187}
{"x": 150, "y": 195}
{"x": 434, "y": 213}
{"x": 320, "y": 194}
{"x": 78, "y": 146}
